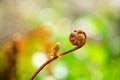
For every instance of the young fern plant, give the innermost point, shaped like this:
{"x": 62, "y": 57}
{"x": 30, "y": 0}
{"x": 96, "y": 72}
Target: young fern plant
{"x": 77, "y": 38}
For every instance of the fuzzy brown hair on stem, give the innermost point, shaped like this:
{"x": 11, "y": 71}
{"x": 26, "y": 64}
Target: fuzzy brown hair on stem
{"x": 77, "y": 38}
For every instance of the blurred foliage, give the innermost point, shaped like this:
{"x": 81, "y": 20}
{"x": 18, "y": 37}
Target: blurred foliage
{"x": 40, "y": 24}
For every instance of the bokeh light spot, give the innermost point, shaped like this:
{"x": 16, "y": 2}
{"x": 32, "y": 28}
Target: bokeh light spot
{"x": 38, "y": 59}
{"x": 60, "y": 71}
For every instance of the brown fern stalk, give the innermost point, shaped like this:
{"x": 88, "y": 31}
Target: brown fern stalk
{"x": 77, "y": 38}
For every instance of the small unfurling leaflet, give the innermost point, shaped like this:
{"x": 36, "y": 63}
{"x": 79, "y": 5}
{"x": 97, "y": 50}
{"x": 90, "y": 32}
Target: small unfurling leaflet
{"x": 55, "y": 50}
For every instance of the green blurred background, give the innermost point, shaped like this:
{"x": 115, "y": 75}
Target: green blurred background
{"x": 30, "y": 28}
